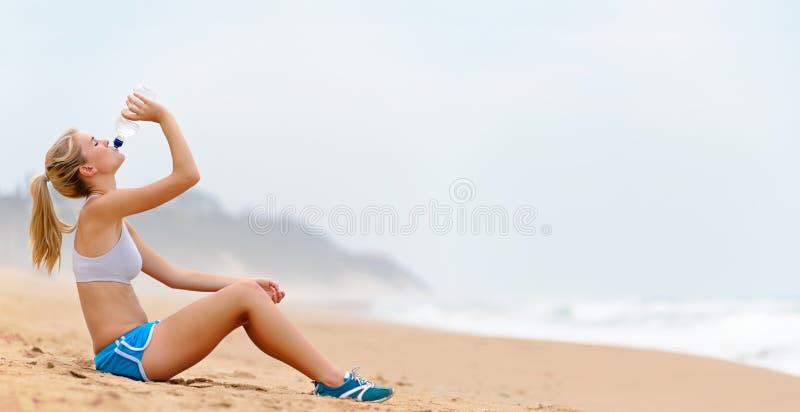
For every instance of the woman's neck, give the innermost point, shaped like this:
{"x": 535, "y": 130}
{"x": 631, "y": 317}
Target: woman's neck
{"x": 102, "y": 185}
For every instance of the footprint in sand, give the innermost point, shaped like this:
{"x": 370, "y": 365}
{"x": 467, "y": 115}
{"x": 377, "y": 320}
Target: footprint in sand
{"x": 207, "y": 383}
{"x": 242, "y": 374}
{"x": 235, "y": 374}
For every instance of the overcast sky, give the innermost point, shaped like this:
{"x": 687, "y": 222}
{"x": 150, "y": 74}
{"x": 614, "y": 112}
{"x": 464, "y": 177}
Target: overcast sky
{"x": 658, "y": 140}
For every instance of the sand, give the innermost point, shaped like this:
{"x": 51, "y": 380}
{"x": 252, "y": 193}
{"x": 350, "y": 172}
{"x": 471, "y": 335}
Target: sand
{"x": 46, "y": 364}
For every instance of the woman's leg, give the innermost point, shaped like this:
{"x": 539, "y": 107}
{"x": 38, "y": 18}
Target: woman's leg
{"x": 190, "y": 334}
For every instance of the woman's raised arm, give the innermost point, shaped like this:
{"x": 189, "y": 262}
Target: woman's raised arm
{"x": 125, "y": 202}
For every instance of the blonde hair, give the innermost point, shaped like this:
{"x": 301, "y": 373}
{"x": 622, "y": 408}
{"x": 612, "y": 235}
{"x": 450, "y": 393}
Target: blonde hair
{"x": 62, "y": 162}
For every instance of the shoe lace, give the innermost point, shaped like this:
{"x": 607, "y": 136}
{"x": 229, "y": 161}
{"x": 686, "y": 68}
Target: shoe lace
{"x": 360, "y": 379}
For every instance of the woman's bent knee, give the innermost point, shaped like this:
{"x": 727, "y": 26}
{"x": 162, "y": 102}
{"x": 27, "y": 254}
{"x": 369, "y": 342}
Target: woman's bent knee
{"x": 247, "y": 292}
{"x": 245, "y": 287}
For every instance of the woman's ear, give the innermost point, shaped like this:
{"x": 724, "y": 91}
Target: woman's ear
{"x": 87, "y": 171}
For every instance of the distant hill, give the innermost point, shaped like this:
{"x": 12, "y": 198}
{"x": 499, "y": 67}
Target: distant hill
{"x": 194, "y": 231}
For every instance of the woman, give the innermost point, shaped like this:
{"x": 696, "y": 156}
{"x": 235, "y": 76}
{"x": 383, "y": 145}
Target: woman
{"x": 108, "y": 253}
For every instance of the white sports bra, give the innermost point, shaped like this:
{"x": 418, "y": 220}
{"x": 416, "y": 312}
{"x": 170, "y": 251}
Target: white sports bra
{"x": 120, "y": 264}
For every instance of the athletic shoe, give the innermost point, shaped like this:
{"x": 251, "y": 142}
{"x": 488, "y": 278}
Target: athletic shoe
{"x": 355, "y": 387}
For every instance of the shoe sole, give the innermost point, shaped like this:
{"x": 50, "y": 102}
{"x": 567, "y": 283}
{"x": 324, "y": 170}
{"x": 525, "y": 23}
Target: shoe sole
{"x": 356, "y": 400}
{"x": 377, "y": 400}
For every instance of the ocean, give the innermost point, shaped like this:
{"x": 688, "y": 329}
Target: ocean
{"x": 758, "y": 332}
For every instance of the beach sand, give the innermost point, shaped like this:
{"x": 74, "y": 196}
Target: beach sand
{"x": 46, "y": 365}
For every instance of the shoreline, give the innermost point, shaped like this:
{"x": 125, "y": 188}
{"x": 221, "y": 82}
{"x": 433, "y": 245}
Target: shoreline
{"x": 578, "y": 343}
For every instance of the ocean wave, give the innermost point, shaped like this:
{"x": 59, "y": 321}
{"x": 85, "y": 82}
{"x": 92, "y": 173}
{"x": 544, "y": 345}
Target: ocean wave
{"x": 758, "y": 332}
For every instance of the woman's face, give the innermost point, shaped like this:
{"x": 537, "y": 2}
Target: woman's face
{"x": 100, "y": 157}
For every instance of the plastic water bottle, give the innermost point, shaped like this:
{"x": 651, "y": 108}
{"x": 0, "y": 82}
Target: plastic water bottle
{"x": 126, "y": 128}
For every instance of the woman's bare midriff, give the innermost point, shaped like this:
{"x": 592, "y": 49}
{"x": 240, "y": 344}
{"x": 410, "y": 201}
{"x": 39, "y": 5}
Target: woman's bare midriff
{"x": 111, "y": 309}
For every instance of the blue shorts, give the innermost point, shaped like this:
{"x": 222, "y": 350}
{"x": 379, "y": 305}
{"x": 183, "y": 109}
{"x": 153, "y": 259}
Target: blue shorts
{"x": 123, "y": 357}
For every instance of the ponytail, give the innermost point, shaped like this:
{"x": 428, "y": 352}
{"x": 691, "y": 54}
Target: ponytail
{"x": 61, "y": 165}
{"x": 45, "y": 229}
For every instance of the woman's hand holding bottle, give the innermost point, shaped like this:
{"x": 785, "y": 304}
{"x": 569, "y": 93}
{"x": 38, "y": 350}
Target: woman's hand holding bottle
{"x": 142, "y": 108}
{"x": 141, "y": 101}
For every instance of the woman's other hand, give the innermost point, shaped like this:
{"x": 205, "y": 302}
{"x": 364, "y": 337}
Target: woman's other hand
{"x": 272, "y": 288}
{"x": 139, "y": 107}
